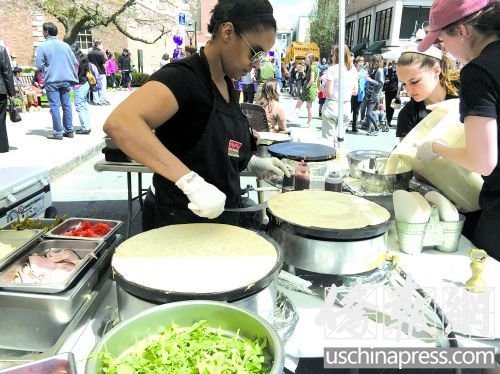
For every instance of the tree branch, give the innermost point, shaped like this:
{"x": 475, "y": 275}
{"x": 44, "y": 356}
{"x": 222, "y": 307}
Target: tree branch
{"x": 130, "y": 36}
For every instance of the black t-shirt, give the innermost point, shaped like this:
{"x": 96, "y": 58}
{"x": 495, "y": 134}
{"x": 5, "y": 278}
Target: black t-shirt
{"x": 191, "y": 84}
{"x": 96, "y": 57}
{"x": 411, "y": 114}
{"x": 480, "y": 96}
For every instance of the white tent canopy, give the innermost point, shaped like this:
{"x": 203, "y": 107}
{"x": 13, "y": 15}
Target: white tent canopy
{"x": 392, "y": 54}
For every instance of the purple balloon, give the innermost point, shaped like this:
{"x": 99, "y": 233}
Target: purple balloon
{"x": 178, "y": 39}
{"x": 176, "y": 53}
{"x": 271, "y": 53}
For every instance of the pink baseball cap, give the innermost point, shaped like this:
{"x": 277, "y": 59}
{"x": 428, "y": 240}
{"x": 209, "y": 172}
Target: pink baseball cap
{"x": 446, "y": 12}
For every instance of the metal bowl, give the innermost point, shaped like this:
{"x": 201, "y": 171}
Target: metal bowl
{"x": 355, "y": 157}
{"x": 184, "y": 313}
{"x": 373, "y": 181}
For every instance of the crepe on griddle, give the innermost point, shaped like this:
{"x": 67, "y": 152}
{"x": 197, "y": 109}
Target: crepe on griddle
{"x": 195, "y": 258}
{"x": 327, "y": 210}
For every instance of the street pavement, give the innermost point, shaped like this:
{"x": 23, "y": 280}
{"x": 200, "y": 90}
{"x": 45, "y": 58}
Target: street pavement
{"x": 30, "y": 147}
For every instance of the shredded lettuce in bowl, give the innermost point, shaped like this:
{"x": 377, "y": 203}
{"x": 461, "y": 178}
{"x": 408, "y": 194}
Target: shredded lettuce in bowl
{"x": 196, "y": 349}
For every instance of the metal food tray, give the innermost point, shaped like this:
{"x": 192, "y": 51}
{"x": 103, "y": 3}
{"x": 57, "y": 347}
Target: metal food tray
{"x": 86, "y": 250}
{"x": 20, "y": 240}
{"x": 50, "y": 316}
{"x": 72, "y": 222}
{"x": 63, "y": 363}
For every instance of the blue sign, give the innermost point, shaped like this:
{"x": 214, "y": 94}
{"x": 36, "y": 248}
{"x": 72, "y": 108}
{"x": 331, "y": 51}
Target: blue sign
{"x": 182, "y": 19}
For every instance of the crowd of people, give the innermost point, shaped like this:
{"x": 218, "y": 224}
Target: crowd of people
{"x": 61, "y": 68}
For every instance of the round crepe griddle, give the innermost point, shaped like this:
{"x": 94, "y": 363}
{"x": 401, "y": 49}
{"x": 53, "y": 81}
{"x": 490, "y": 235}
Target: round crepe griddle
{"x": 158, "y": 294}
{"x": 296, "y": 203}
{"x": 302, "y": 151}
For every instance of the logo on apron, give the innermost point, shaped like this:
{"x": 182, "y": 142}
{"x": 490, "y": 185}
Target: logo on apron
{"x": 233, "y": 148}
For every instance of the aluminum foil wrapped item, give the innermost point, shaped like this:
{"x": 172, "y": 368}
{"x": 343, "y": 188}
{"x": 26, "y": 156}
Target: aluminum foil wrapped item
{"x": 285, "y": 317}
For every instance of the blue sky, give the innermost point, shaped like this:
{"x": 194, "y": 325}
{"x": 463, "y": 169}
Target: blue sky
{"x": 287, "y": 11}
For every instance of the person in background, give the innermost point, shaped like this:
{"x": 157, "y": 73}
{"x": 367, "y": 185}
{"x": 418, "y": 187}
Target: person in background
{"x": 285, "y": 75}
{"x": 96, "y": 56}
{"x": 201, "y": 139}
{"x": 428, "y": 77}
{"x": 59, "y": 74}
{"x": 309, "y": 90}
{"x": 269, "y": 100}
{"x": 31, "y": 92}
{"x": 330, "y": 117}
{"x": 248, "y": 87}
{"x": 470, "y": 31}
{"x": 292, "y": 72}
{"x": 111, "y": 69}
{"x": 7, "y": 90}
{"x": 357, "y": 98}
{"x": 373, "y": 89}
{"x": 299, "y": 80}
{"x": 324, "y": 65}
{"x": 125, "y": 66}
{"x": 277, "y": 73}
{"x": 165, "y": 59}
{"x": 81, "y": 91}
{"x": 390, "y": 90}
{"x": 266, "y": 72}
{"x": 321, "y": 94}
{"x": 381, "y": 116}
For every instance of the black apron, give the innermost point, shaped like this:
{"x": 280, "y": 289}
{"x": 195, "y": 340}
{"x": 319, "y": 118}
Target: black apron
{"x": 222, "y": 152}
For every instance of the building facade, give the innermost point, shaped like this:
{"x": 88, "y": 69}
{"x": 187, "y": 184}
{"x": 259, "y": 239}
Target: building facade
{"x": 374, "y": 26}
{"x": 22, "y": 33}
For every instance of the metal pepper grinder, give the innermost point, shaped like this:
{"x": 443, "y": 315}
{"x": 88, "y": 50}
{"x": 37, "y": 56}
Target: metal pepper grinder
{"x": 476, "y": 283}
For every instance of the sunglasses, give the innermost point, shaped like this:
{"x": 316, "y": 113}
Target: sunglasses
{"x": 257, "y": 56}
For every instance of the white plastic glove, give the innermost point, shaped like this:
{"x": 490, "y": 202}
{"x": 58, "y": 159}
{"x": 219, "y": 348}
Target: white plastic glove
{"x": 451, "y": 104}
{"x": 206, "y": 200}
{"x": 425, "y": 152}
{"x": 269, "y": 168}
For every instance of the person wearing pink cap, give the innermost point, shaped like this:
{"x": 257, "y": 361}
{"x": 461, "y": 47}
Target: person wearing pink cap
{"x": 470, "y": 31}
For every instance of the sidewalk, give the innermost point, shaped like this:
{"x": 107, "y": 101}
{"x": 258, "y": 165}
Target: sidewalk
{"x": 30, "y": 147}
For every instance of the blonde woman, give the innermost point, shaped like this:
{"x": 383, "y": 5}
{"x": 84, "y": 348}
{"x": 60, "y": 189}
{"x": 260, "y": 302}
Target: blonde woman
{"x": 470, "y": 32}
{"x": 275, "y": 112}
{"x": 330, "y": 115}
{"x": 309, "y": 89}
{"x": 429, "y": 77}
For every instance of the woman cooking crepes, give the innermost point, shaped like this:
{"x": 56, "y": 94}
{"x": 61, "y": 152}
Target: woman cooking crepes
{"x": 202, "y": 140}
{"x": 470, "y": 31}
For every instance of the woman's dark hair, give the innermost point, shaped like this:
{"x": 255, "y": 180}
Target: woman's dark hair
{"x": 16, "y": 70}
{"x": 486, "y": 21}
{"x": 80, "y": 57}
{"x": 246, "y": 16}
{"x": 50, "y": 28}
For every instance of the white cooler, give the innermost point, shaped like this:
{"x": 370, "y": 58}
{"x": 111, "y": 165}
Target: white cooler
{"x": 24, "y": 191}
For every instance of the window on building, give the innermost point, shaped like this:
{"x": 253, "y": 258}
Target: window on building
{"x": 412, "y": 19}
{"x": 364, "y": 29}
{"x": 84, "y": 40}
{"x": 349, "y": 33}
{"x": 383, "y": 24}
